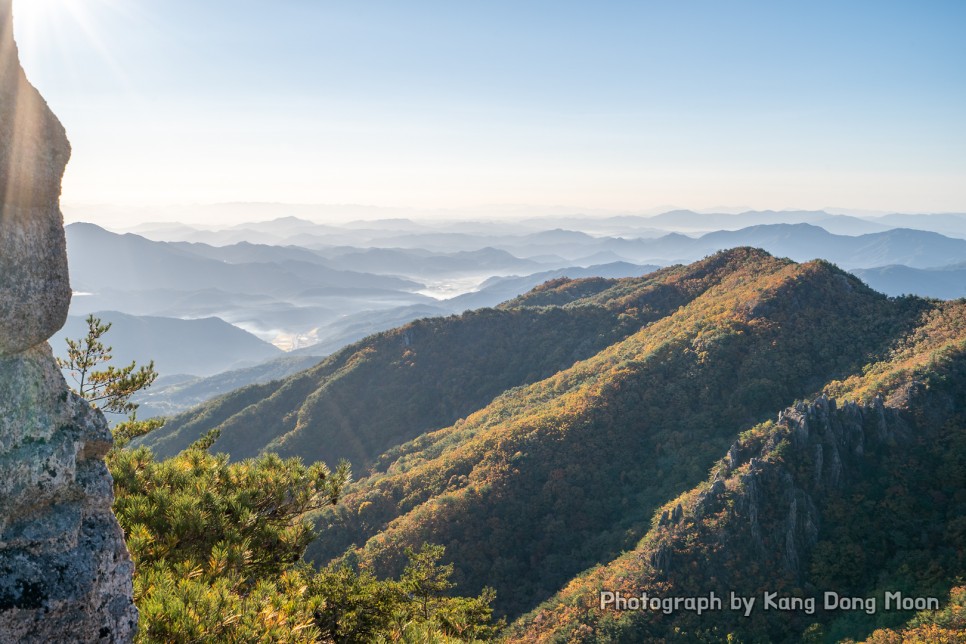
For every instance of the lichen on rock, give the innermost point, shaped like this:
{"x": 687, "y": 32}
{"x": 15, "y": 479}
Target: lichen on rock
{"x": 65, "y": 573}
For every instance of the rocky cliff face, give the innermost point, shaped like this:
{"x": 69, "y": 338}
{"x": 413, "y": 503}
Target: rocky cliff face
{"x": 65, "y": 574}
{"x": 774, "y": 486}
{"x": 856, "y": 499}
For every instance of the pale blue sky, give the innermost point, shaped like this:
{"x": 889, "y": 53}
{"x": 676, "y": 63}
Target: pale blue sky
{"x": 612, "y": 105}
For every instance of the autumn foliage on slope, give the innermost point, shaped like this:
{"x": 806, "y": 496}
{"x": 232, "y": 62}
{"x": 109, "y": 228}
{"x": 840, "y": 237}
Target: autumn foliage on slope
{"x": 860, "y": 498}
{"x": 552, "y": 478}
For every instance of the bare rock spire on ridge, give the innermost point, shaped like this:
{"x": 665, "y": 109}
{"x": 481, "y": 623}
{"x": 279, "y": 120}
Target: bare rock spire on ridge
{"x": 65, "y": 573}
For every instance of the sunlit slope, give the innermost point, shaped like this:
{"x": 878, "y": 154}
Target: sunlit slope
{"x": 551, "y": 478}
{"x": 394, "y": 386}
{"x": 859, "y": 492}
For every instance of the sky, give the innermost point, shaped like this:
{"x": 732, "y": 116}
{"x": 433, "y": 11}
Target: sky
{"x": 435, "y": 105}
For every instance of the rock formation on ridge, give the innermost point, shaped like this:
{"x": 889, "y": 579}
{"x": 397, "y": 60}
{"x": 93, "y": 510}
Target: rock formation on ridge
{"x": 65, "y": 573}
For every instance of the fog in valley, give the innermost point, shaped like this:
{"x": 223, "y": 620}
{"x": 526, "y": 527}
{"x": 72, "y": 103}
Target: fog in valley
{"x": 221, "y": 306}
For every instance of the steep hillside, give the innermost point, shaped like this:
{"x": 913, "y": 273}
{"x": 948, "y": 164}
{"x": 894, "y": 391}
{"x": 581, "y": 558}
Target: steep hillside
{"x": 397, "y": 385}
{"x": 554, "y": 477}
{"x": 857, "y": 498}
{"x": 168, "y": 397}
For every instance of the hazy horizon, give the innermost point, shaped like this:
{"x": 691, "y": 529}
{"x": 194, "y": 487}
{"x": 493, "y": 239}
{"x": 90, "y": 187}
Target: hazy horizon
{"x": 434, "y": 106}
{"x": 226, "y": 214}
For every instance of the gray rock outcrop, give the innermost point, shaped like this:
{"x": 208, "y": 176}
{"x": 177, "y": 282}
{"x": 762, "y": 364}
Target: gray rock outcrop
{"x": 773, "y": 507}
{"x": 34, "y": 286}
{"x": 65, "y": 573}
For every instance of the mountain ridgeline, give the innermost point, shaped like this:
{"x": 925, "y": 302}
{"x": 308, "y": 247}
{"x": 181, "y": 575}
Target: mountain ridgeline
{"x": 397, "y": 385}
{"x": 556, "y": 477}
{"x": 621, "y": 435}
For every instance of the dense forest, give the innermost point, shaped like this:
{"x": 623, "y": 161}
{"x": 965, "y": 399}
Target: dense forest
{"x": 742, "y": 424}
{"x": 397, "y": 385}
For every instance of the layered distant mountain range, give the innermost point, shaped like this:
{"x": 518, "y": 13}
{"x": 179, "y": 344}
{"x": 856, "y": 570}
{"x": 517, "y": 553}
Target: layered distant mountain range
{"x": 311, "y": 289}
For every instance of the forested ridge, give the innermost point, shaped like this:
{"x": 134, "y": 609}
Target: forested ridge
{"x": 860, "y": 499}
{"x": 743, "y": 422}
{"x": 394, "y": 386}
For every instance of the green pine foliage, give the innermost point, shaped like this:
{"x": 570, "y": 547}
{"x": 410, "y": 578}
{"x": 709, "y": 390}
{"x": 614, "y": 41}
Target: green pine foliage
{"x": 198, "y": 509}
{"x": 109, "y": 389}
{"x": 217, "y": 548}
{"x": 215, "y": 544}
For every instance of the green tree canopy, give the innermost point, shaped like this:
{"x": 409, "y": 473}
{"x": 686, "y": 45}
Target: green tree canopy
{"x": 218, "y": 546}
{"x": 109, "y": 389}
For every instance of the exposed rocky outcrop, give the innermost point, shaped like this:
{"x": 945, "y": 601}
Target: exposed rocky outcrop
{"x": 34, "y": 287}
{"x": 826, "y": 443}
{"x": 65, "y": 574}
{"x": 774, "y": 504}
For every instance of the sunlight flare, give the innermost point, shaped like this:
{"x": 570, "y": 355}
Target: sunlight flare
{"x": 34, "y": 15}
{"x": 42, "y": 25}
